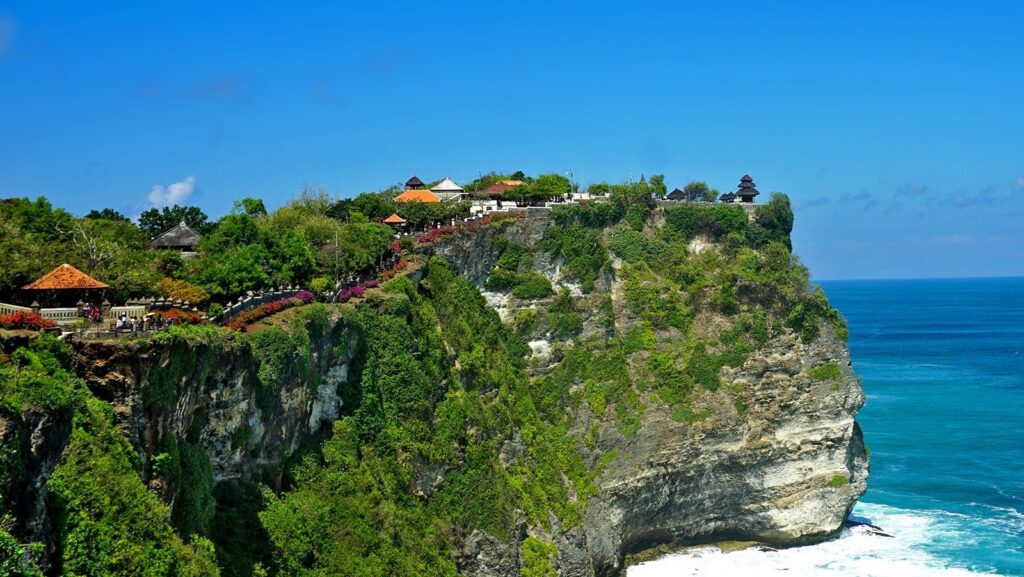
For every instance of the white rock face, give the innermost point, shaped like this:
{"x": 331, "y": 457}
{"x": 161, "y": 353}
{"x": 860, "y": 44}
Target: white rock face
{"x": 787, "y": 471}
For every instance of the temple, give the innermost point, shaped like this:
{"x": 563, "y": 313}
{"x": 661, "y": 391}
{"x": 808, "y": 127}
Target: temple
{"x": 415, "y": 191}
{"x": 747, "y": 192}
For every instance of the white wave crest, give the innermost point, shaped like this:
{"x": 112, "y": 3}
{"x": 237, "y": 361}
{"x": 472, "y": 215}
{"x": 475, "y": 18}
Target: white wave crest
{"x": 857, "y": 552}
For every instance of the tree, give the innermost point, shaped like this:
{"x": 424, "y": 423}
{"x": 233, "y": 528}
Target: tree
{"x": 250, "y": 206}
{"x": 155, "y": 222}
{"x": 544, "y": 187}
{"x": 106, "y": 214}
{"x": 697, "y": 190}
{"x": 374, "y": 205}
{"x": 773, "y": 222}
{"x": 657, "y": 185}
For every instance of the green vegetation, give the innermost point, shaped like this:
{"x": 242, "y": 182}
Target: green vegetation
{"x": 582, "y": 250}
{"x": 537, "y": 556}
{"x": 107, "y": 522}
{"x": 437, "y": 387}
{"x": 839, "y": 481}
{"x": 827, "y": 372}
{"x": 401, "y": 409}
{"x": 532, "y": 285}
{"x": 714, "y": 220}
{"x": 700, "y": 191}
{"x": 12, "y": 558}
{"x": 248, "y": 249}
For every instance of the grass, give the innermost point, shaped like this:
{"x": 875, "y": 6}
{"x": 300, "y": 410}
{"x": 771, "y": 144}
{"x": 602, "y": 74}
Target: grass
{"x": 839, "y": 481}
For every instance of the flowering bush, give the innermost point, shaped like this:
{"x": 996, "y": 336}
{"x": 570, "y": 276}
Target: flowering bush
{"x": 264, "y": 310}
{"x": 23, "y": 320}
{"x": 355, "y": 292}
{"x": 180, "y": 317}
{"x": 394, "y": 270}
{"x": 434, "y": 234}
{"x": 372, "y": 283}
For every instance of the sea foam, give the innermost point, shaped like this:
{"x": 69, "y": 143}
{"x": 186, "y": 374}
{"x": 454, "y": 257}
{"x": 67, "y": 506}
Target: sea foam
{"x": 858, "y": 552}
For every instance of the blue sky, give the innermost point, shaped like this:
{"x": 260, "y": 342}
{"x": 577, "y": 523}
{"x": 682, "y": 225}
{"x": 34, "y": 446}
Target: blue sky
{"x": 896, "y": 128}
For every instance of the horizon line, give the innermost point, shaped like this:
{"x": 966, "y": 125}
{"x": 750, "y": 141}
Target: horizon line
{"x": 922, "y": 278}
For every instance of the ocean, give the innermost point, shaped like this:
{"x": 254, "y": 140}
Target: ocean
{"x": 943, "y": 369}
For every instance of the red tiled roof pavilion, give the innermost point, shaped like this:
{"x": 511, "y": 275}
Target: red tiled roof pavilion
{"x": 65, "y": 277}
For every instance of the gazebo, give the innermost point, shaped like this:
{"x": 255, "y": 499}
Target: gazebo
{"x": 63, "y": 286}
{"x": 394, "y": 221}
{"x": 447, "y": 190}
{"x": 727, "y": 198}
{"x": 747, "y": 192}
{"x": 181, "y": 238}
{"x": 676, "y": 195}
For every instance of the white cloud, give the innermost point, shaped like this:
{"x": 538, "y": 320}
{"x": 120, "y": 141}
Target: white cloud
{"x": 174, "y": 193}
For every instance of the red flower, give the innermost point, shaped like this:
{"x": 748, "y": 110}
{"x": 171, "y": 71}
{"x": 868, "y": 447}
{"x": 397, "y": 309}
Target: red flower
{"x": 23, "y": 320}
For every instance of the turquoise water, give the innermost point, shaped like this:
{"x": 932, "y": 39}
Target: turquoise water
{"x": 943, "y": 369}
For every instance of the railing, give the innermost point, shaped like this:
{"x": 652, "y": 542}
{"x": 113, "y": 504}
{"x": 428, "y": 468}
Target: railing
{"x": 130, "y": 311}
{"x": 6, "y": 309}
{"x": 249, "y": 301}
{"x": 61, "y": 316}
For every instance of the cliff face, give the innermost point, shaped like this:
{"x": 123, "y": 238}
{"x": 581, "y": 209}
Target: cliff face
{"x": 216, "y": 399}
{"x": 703, "y": 406}
{"x": 775, "y": 455}
{"x": 786, "y": 471}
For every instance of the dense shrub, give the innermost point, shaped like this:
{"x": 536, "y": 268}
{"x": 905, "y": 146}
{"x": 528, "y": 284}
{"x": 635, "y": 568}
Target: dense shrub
{"x": 582, "y": 250}
{"x": 180, "y": 317}
{"x": 106, "y": 521}
{"x": 629, "y": 245}
{"x": 23, "y": 320}
{"x": 532, "y": 285}
{"x": 773, "y": 222}
{"x": 714, "y": 220}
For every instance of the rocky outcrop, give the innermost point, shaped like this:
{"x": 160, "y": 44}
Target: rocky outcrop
{"x": 785, "y": 469}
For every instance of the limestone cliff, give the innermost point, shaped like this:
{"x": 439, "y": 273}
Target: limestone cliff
{"x": 709, "y": 393}
{"x": 246, "y": 422}
{"x": 776, "y": 455}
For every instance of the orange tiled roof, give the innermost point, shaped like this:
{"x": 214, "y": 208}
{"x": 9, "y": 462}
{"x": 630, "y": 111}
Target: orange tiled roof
{"x": 417, "y": 196}
{"x": 394, "y": 219}
{"x": 65, "y": 277}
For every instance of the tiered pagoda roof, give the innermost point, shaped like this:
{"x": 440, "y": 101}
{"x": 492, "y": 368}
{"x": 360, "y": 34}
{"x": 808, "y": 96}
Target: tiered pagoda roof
{"x": 414, "y": 183}
{"x": 746, "y": 191}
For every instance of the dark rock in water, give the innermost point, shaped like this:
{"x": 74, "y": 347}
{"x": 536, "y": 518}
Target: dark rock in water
{"x": 880, "y": 534}
{"x": 872, "y": 529}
